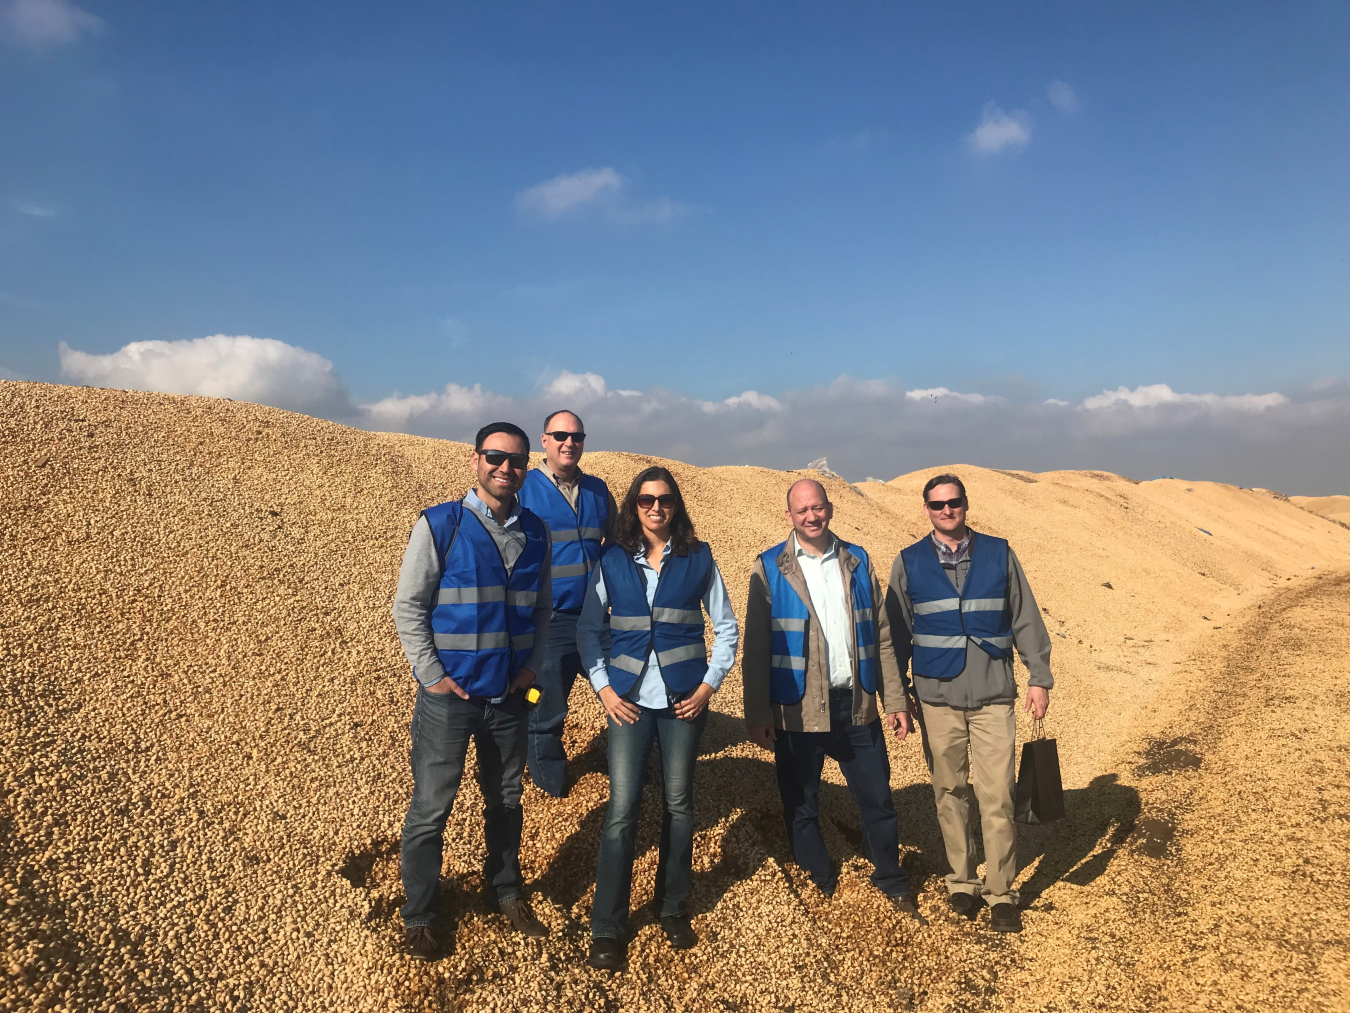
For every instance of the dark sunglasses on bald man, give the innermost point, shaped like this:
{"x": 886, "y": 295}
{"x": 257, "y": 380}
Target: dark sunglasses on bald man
{"x": 519, "y": 462}
{"x": 562, "y": 436}
{"x": 938, "y": 504}
{"x": 647, "y": 500}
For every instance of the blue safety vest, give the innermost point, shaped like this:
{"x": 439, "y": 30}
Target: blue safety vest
{"x": 577, "y": 534}
{"x": 944, "y": 621}
{"x": 788, "y": 618}
{"x": 672, "y": 626}
{"x": 483, "y": 622}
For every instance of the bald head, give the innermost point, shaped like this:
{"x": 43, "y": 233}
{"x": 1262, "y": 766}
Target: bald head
{"x": 809, "y": 512}
{"x": 806, "y": 488}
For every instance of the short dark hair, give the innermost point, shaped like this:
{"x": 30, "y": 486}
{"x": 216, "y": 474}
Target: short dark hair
{"x": 938, "y": 480}
{"x": 564, "y": 411}
{"x": 499, "y": 427}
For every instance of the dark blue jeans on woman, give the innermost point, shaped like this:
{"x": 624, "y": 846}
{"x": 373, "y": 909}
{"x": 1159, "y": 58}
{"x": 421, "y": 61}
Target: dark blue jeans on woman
{"x": 860, "y": 751}
{"x": 442, "y": 725}
{"x": 629, "y": 748}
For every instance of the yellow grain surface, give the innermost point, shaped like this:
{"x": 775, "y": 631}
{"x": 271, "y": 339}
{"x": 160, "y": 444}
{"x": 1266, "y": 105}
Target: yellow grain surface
{"x": 1335, "y": 507}
{"x": 204, "y": 732}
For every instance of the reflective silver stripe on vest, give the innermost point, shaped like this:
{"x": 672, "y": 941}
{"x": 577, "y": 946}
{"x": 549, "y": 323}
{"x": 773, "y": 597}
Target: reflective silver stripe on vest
{"x": 678, "y": 654}
{"x": 927, "y": 608}
{"x": 788, "y": 625}
{"x": 994, "y": 641}
{"x": 982, "y": 605}
{"x": 870, "y": 651}
{"x": 925, "y": 640}
{"x": 523, "y": 642}
{"x": 630, "y": 622}
{"x": 596, "y": 534}
{"x": 469, "y": 595}
{"x": 470, "y": 641}
{"x": 628, "y": 663}
{"x": 566, "y": 535}
{"x": 862, "y": 615}
{"x": 523, "y": 599}
{"x": 571, "y": 570}
{"x": 788, "y": 661}
{"x": 689, "y": 617}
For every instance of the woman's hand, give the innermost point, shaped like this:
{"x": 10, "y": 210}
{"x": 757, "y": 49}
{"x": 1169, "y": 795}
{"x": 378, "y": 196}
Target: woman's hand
{"x": 692, "y": 706}
{"x": 619, "y": 709}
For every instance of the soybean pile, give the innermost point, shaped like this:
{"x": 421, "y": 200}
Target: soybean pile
{"x": 205, "y": 736}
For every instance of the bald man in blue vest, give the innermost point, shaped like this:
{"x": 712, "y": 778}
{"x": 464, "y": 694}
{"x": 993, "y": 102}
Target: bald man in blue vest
{"x": 579, "y": 511}
{"x": 959, "y": 603}
{"x": 818, "y": 673}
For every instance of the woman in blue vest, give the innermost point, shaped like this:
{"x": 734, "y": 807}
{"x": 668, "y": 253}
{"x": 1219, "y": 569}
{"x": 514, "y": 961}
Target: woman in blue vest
{"x": 654, "y": 681}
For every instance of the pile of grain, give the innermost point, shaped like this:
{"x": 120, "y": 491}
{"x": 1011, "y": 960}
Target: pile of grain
{"x": 205, "y": 716}
{"x": 1335, "y": 507}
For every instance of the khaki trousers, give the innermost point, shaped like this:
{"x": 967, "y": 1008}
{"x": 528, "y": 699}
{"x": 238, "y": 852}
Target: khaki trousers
{"x": 986, "y": 737}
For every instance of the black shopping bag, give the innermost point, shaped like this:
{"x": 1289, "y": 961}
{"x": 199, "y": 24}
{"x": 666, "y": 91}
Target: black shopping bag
{"x": 1040, "y": 796}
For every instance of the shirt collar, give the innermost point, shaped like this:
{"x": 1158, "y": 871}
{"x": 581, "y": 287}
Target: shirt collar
{"x": 543, "y": 466}
{"x": 956, "y": 555}
{"x": 472, "y": 501}
{"x": 640, "y": 556}
{"x": 831, "y": 551}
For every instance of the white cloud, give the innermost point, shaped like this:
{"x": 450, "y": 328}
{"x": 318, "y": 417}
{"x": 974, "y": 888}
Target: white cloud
{"x": 1295, "y": 443}
{"x": 1159, "y": 394}
{"x": 933, "y": 393}
{"x": 597, "y": 191}
{"x": 35, "y": 210}
{"x": 1062, "y": 96}
{"x": 580, "y": 387}
{"x": 999, "y": 130}
{"x": 564, "y": 194}
{"x": 749, "y": 399}
{"x": 44, "y": 24}
{"x": 261, "y": 370}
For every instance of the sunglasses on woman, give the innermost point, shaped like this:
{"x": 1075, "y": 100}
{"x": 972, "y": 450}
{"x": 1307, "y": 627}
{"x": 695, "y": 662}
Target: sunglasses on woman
{"x": 647, "y": 501}
{"x": 938, "y": 504}
{"x": 519, "y": 462}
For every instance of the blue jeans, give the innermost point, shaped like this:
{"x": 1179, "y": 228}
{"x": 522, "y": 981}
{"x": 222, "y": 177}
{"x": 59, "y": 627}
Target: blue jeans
{"x": 629, "y": 748}
{"x": 442, "y": 725}
{"x": 861, "y": 753}
{"x": 562, "y": 664}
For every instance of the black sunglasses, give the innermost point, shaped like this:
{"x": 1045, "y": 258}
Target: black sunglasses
{"x": 647, "y": 501}
{"x": 519, "y": 462}
{"x": 937, "y": 504}
{"x": 561, "y": 435}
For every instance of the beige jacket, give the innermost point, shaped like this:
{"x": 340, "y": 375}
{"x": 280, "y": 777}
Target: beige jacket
{"x": 813, "y": 713}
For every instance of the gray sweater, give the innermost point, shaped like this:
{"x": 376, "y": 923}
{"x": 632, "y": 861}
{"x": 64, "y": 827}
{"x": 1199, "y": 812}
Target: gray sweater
{"x": 419, "y": 582}
{"x": 985, "y": 680}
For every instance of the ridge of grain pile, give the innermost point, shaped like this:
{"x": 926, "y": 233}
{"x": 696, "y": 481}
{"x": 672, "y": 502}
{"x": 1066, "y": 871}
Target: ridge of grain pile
{"x": 206, "y": 709}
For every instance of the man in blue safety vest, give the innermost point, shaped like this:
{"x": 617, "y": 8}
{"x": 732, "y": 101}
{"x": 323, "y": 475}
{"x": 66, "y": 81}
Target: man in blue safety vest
{"x": 472, "y": 611}
{"x": 579, "y": 511}
{"x": 818, "y": 660}
{"x": 959, "y": 603}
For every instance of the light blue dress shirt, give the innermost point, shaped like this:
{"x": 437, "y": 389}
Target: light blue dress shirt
{"x": 650, "y": 689}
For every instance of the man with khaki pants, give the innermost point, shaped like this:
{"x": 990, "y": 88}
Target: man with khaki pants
{"x": 958, "y": 604}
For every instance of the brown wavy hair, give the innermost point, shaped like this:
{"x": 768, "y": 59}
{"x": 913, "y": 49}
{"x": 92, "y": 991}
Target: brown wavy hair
{"x": 628, "y": 529}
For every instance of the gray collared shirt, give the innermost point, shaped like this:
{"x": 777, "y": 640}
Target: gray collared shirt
{"x": 419, "y": 582}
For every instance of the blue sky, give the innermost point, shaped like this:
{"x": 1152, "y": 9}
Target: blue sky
{"x": 744, "y": 196}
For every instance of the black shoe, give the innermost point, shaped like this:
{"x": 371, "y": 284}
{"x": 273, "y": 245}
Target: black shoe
{"x": 522, "y": 919}
{"x": 967, "y": 905}
{"x": 680, "y": 933}
{"x": 419, "y": 943}
{"x": 1005, "y": 918}
{"x": 606, "y": 954}
{"x": 906, "y": 904}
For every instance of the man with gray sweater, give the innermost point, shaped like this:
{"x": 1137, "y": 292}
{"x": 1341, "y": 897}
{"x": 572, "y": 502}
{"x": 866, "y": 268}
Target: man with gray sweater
{"x": 958, "y": 604}
{"x": 473, "y": 590}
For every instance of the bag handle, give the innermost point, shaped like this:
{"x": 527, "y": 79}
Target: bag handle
{"x": 1038, "y": 728}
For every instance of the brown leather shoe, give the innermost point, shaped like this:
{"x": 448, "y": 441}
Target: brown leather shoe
{"x": 967, "y": 905}
{"x": 1005, "y": 918}
{"x": 522, "y": 919}
{"x": 906, "y": 905}
{"x": 419, "y": 943}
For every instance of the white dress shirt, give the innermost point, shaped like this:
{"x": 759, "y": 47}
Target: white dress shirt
{"x": 834, "y": 608}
